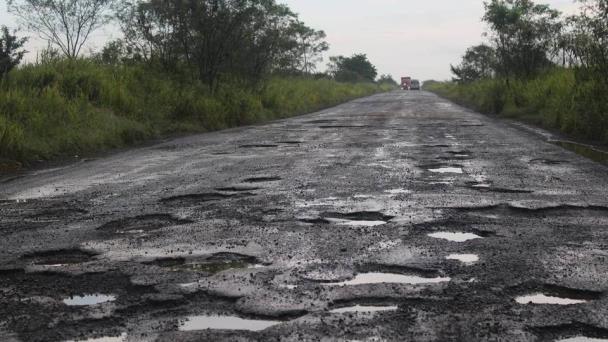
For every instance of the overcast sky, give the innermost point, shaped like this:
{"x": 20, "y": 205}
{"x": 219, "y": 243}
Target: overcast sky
{"x": 418, "y": 38}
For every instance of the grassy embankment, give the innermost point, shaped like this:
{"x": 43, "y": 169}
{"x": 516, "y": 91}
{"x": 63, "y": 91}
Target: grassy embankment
{"x": 68, "y": 108}
{"x": 554, "y": 100}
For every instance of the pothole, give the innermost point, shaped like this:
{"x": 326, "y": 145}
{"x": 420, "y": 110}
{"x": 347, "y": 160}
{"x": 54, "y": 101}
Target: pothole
{"x": 584, "y": 150}
{"x": 237, "y": 189}
{"x": 583, "y": 339}
{"x": 547, "y": 161}
{"x": 364, "y": 309}
{"x": 202, "y": 198}
{"x": 259, "y": 146}
{"x": 142, "y": 224}
{"x": 217, "y": 322}
{"x": 572, "y": 332}
{"x": 89, "y": 300}
{"x": 389, "y": 278}
{"x": 467, "y": 259}
{"x": 58, "y": 257}
{"x": 121, "y": 338}
{"x": 262, "y": 179}
{"x": 212, "y": 265}
{"x": 542, "y": 299}
{"x": 356, "y": 219}
{"x": 456, "y": 170}
{"x": 291, "y": 142}
{"x": 455, "y": 237}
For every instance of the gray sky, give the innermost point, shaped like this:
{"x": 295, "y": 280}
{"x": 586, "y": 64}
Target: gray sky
{"x": 418, "y": 38}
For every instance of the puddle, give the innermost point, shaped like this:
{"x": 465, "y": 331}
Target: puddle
{"x": 455, "y": 237}
{"x": 202, "y": 198}
{"x": 259, "y": 146}
{"x": 121, "y": 338}
{"x": 353, "y": 223}
{"x": 464, "y": 258}
{"x": 584, "y": 150}
{"x": 540, "y": 298}
{"x": 215, "y": 322}
{"x": 355, "y": 219}
{"x": 237, "y": 189}
{"x": 398, "y": 191}
{"x": 365, "y": 309}
{"x": 583, "y": 339}
{"x": 457, "y": 170}
{"x": 214, "y": 264}
{"x": 58, "y": 258}
{"x": 389, "y": 278}
{"x": 87, "y": 300}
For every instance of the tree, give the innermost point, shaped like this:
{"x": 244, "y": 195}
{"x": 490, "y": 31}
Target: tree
{"x": 388, "y": 80}
{"x": 11, "y": 52}
{"x": 477, "y": 63}
{"x": 67, "y": 24}
{"x": 524, "y": 35}
{"x": 352, "y": 69}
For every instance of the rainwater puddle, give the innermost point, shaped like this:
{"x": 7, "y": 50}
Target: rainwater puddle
{"x": 353, "y": 223}
{"x": 215, "y": 322}
{"x": 457, "y": 170}
{"x": 455, "y": 237}
{"x": 540, "y": 298}
{"x": 398, "y": 191}
{"x": 583, "y": 339}
{"x": 88, "y": 300}
{"x": 365, "y": 309}
{"x": 464, "y": 258}
{"x": 585, "y": 151}
{"x": 389, "y": 278}
{"x": 120, "y": 338}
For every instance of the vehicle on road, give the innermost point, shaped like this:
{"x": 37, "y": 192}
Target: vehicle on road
{"x": 406, "y": 83}
{"x": 415, "y": 85}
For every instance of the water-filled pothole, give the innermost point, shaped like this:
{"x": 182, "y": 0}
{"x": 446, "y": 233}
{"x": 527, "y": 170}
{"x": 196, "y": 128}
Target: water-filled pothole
{"x": 237, "y": 189}
{"x": 361, "y": 218}
{"x": 259, "y": 146}
{"x": 88, "y": 300}
{"x": 214, "y": 264}
{"x": 389, "y": 278}
{"x": 58, "y": 257}
{"x": 142, "y": 223}
{"x": 456, "y": 170}
{"x": 216, "y": 322}
{"x": 121, "y": 338}
{"x": 455, "y": 237}
{"x": 584, "y": 150}
{"x": 583, "y": 339}
{"x": 467, "y": 259}
{"x": 542, "y": 299}
{"x": 364, "y": 309}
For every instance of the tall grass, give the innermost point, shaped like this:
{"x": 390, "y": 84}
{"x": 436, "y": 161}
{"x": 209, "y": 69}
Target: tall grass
{"x": 556, "y": 100}
{"x": 77, "y": 107}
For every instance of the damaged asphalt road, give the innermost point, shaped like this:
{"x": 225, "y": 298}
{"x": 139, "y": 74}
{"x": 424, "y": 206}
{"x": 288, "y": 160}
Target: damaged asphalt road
{"x": 395, "y": 217}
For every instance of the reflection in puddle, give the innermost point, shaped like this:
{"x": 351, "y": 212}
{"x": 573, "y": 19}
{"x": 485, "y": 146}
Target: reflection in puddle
{"x": 457, "y": 170}
{"x": 585, "y": 151}
{"x": 583, "y": 339}
{"x": 540, "y": 298}
{"x": 366, "y": 309}
{"x": 389, "y": 278}
{"x": 215, "y": 322}
{"x": 88, "y": 300}
{"x": 455, "y": 237}
{"x": 464, "y": 258}
{"x": 356, "y": 223}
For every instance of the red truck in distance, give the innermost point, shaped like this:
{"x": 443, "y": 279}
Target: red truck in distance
{"x": 406, "y": 83}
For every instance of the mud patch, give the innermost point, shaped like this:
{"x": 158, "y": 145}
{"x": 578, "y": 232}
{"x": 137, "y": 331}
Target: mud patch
{"x": 59, "y": 257}
{"x": 216, "y": 322}
{"x": 142, "y": 223}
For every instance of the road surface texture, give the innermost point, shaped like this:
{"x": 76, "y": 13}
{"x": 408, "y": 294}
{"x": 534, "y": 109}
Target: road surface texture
{"x": 395, "y": 217}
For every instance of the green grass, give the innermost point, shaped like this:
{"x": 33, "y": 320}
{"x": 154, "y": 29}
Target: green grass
{"x": 81, "y": 107}
{"x": 554, "y": 100}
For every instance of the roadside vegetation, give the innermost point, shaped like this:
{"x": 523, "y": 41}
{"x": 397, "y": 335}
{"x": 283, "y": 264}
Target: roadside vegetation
{"x": 181, "y": 66}
{"x": 538, "y": 66}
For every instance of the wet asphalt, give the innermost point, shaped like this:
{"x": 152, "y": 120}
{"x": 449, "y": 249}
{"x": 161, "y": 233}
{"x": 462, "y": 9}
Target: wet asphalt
{"x": 273, "y": 232}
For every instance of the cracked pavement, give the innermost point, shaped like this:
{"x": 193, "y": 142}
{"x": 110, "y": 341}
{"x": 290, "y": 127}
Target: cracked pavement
{"x": 396, "y": 217}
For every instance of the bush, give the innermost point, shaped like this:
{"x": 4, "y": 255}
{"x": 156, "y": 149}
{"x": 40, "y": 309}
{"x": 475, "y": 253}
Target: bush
{"x": 82, "y": 106}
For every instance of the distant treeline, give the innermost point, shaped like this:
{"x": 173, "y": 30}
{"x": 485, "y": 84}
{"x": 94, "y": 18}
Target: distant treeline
{"x": 539, "y": 66}
{"x": 180, "y": 66}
